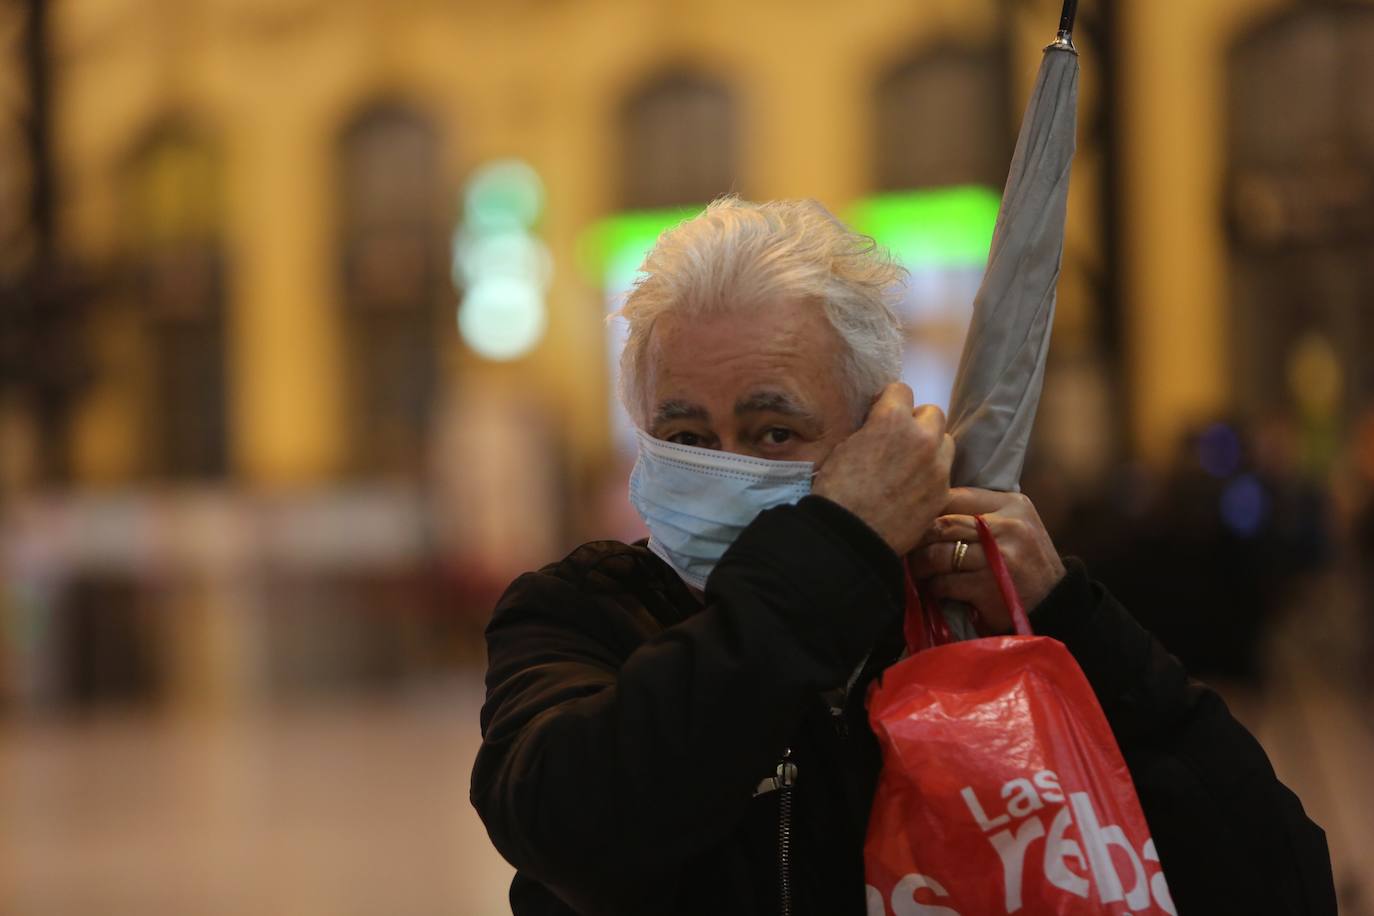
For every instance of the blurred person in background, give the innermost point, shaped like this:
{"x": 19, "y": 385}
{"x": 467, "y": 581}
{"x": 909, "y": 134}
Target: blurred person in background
{"x": 661, "y": 717}
{"x": 1239, "y": 526}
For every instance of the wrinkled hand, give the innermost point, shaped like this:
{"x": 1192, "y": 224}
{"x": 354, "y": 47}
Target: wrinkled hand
{"x": 1030, "y": 556}
{"x": 893, "y": 472}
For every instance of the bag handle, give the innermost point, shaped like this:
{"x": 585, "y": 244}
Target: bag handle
{"x": 1019, "y": 621}
{"x": 922, "y": 630}
{"x": 927, "y": 630}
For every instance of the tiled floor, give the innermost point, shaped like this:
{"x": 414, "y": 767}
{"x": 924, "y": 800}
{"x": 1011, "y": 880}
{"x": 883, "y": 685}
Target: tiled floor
{"x": 362, "y": 809}
{"x": 1320, "y": 739}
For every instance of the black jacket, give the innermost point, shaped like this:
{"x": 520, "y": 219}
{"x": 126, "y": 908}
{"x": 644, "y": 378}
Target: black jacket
{"x": 628, "y": 728}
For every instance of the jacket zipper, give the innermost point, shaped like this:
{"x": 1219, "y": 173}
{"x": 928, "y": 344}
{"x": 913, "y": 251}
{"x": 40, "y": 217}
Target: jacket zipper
{"x": 787, "y": 777}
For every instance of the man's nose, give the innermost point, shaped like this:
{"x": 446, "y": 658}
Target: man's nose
{"x": 737, "y": 445}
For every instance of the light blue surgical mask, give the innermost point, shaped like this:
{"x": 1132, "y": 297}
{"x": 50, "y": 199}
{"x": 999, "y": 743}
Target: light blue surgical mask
{"x": 696, "y": 501}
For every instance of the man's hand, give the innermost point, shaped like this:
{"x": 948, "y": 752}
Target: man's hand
{"x": 893, "y": 472}
{"x": 1031, "y": 559}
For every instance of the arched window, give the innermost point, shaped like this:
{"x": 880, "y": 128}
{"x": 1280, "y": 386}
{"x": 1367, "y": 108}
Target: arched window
{"x": 678, "y": 143}
{"x": 942, "y": 141}
{"x": 393, "y": 210}
{"x": 1301, "y": 203}
{"x": 176, "y": 196}
{"x": 942, "y": 120}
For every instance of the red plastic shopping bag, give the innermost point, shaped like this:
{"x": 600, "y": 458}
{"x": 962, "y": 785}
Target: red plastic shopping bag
{"x": 1002, "y": 788}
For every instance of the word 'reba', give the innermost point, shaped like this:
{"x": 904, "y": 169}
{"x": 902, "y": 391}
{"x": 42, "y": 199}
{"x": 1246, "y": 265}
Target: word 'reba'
{"x": 1020, "y": 825}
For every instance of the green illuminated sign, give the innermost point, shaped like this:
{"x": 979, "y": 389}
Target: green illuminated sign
{"x": 931, "y": 229}
{"x": 926, "y": 230}
{"x": 612, "y": 250}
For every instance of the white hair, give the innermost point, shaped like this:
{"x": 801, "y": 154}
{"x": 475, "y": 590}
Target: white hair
{"x": 740, "y": 255}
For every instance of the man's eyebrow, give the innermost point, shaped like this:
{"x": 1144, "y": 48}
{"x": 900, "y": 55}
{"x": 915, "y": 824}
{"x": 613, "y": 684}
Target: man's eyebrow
{"x": 679, "y": 410}
{"x": 772, "y": 402}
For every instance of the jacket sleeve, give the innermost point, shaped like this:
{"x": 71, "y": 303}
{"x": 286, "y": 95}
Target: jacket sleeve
{"x": 1230, "y": 836}
{"x": 606, "y": 765}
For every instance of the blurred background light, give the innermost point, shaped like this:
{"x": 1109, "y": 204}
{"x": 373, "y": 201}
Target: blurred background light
{"x": 1314, "y": 375}
{"x": 504, "y": 253}
{"x": 1245, "y": 505}
{"x": 502, "y": 195}
{"x": 501, "y": 266}
{"x": 503, "y": 318}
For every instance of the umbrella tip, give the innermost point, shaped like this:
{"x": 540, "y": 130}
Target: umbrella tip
{"x": 1063, "y": 42}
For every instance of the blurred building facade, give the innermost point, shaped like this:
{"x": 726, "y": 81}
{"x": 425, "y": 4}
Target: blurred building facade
{"x": 283, "y": 465}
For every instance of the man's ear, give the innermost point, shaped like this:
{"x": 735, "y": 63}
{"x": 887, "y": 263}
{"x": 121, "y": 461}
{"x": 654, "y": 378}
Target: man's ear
{"x": 866, "y": 409}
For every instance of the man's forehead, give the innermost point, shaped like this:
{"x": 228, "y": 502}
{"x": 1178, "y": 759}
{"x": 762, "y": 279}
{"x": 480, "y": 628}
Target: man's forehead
{"x": 782, "y": 325}
{"x": 785, "y": 359}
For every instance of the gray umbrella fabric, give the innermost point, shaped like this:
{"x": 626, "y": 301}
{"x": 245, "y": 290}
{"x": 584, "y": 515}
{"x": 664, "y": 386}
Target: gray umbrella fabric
{"x": 1002, "y": 370}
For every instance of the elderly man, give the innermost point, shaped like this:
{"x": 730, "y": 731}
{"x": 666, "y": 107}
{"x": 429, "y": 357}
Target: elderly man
{"x": 678, "y": 726}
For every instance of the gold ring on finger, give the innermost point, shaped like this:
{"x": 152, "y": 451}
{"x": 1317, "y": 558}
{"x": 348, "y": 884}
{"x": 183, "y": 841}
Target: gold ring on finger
{"x": 960, "y": 549}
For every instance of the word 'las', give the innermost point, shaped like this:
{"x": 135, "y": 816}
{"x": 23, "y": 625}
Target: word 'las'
{"x": 1091, "y": 851}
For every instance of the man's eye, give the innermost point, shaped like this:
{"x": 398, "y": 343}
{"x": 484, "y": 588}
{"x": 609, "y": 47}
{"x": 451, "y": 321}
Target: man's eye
{"x": 689, "y": 439}
{"x": 777, "y": 435}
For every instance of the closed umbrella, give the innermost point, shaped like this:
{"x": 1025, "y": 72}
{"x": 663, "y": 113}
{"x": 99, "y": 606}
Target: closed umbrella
{"x": 1002, "y": 369}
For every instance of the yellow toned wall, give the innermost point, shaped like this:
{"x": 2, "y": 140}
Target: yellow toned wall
{"x": 284, "y": 386}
